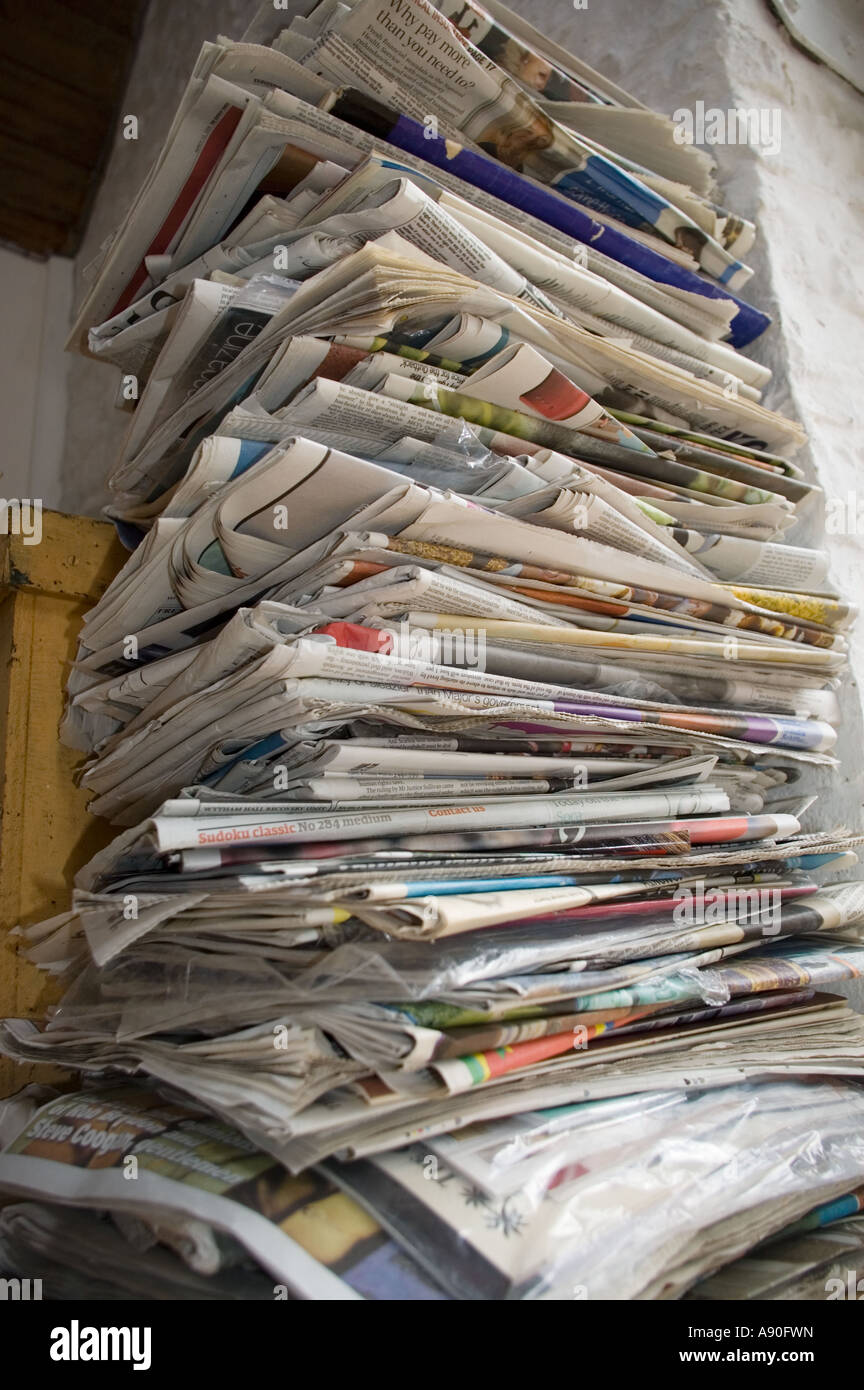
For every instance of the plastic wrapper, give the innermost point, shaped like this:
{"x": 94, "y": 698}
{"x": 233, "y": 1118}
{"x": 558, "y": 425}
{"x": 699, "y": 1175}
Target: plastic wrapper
{"x": 611, "y": 1201}
{"x": 161, "y": 987}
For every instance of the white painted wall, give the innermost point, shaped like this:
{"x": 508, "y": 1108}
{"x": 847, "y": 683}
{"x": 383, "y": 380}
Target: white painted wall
{"x": 36, "y": 298}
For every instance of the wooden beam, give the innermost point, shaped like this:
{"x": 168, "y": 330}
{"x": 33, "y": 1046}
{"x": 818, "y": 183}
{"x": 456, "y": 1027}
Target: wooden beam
{"x": 45, "y": 832}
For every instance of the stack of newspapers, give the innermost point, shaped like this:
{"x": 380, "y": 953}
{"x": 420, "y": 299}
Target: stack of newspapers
{"x": 470, "y": 930}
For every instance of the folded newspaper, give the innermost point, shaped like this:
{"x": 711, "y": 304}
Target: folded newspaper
{"x": 472, "y": 928}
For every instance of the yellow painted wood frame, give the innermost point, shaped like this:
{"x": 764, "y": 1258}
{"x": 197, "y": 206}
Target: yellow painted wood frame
{"x": 45, "y": 831}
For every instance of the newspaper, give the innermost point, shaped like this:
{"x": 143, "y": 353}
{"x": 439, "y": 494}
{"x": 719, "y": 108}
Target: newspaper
{"x": 580, "y": 292}
{"x": 86, "y": 1256}
{"x": 815, "y": 1265}
{"x": 566, "y": 345}
{"x": 462, "y": 710}
{"x": 553, "y": 221}
{"x": 222, "y": 141}
{"x": 683, "y": 295}
{"x": 618, "y": 1068}
{"x": 370, "y": 49}
{"x": 75, "y": 1150}
{"x": 512, "y": 1164}
{"x": 583, "y": 1254}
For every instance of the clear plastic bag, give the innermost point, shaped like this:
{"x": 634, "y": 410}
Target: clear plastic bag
{"x": 628, "y": 1200}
